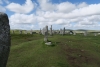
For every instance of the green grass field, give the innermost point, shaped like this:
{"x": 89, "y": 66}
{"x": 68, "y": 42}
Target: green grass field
{"x": 68, "y": 51}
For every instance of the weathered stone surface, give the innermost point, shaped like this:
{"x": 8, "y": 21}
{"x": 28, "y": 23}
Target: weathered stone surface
{"x": 4, "y": 39}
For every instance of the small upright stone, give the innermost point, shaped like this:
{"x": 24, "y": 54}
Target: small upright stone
{"x": 85, "y": 33}
{"x": 13, "y": 32}
{"x": 61, "y": 31}
{"x": 74, "y": 33}
{"x": 31, "y": 32}
{"x": 20, "y": 31}
{"x": 25, "y": 32}
{"x": 5, "y": 41}
{"x": 95, "y": 34}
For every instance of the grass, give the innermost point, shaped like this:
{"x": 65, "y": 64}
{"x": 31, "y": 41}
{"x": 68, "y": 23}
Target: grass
{"x": 68, "y": 51}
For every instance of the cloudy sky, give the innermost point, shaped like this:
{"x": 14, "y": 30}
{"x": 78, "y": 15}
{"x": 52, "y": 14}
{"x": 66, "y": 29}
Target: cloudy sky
{"x": 35, "y": 14}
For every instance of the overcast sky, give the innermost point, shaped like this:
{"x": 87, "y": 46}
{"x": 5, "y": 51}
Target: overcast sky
{"x": 35, "y": 14}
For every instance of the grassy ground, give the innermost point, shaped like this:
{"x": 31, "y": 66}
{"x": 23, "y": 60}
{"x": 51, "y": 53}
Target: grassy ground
{"x": 68, "y": 51}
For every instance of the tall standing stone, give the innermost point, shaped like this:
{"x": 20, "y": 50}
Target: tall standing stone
{"x": 64, "y": 31}
{"x": 45, "y": 31}
{"x": 46, "y": 37}
{"x": 4, "y": 39}
{"x": 40, "y": 31}
{"x": 51, "y": 30}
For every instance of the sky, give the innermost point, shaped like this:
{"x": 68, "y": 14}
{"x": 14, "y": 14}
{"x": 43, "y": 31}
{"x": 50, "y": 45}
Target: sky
{"x": 36, "y": 14}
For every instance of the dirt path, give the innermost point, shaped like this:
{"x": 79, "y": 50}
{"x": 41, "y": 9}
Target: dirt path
{"x": 79, "y": 57}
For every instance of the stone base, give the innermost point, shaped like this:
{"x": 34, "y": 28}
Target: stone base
{"x": 48, "y": 43}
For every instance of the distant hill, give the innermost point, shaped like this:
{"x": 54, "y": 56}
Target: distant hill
{"x": 81, "y": 30}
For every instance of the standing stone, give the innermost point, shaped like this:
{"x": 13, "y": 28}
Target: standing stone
{"x": 31, "y": 32}
{"x": 13, "y": 32}
{"x": 95, "y": 34}
{"x": 45, "y": 32}
{"x": 51, "y": 30}
{"x": 85, "y": 33}
{"x": 64, "y": 31}
{"x": 5, "y": 41}
{"x": 46, "y": 37}
{"x": 40, "y": 31}
{"x": 58, "y": 32}
{"x": 61, "y": 31}
{"x": 25, "y": 32}
{"x": 74, "y": 33}
{"x": 20, "y": 32}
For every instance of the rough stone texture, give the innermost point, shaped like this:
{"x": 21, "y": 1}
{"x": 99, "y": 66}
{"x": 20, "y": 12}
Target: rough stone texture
{"x": 4, "y": 39}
